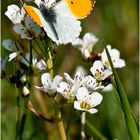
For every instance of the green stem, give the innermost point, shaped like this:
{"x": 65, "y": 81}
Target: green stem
{"x": 83, "y": 119}
{"x": 40, "y": 48}
{"x": 58, "y": 118}
{"x": 23, "y": 120}
{"x": 95, "y": 131}
{"x": 69, "y": 122}
{"x": 18, "y": 114}
{"x": 17, "y": 102}
{"x": 26, "y": 99}
{"x": 59, "y": 121}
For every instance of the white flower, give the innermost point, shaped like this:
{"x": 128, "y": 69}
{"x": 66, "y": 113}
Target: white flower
{"x": 39, "y": 65}
{"x": 99, "y": 72}
{"x": 29, "y": 30}
{"x": 66, "y": 90}
{"x": 91, "y": 84}
{"x": 13, "y": 55}
{"x": 49, "y": 85}
{"x": 81, "y": 69}
{"x": 108, "y": 88}
{"x": 11, "y": 46}
{"x": 23, "y": 79}
{"x": 13, "y": 13}
{"x": 86, "y": 44}
{"x": 25, "y": 91}
{"x": 115, "y": 57}
{"x": 26, "y": 60}
{"x": 78, "y": 78}
{"x": 86, "y": 101}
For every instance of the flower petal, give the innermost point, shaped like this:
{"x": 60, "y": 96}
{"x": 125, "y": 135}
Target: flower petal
{"x": 46, "y": 79}
{"x": 85, "y": 53}
{"x": 21, "y": 30}
{"x": 77, "y": 105}
{"x": 89, "y": 40}
{"x": 41, "y": 88}
{"x": 68, "y": 79}
{"x": 78, "y": 43}
{"x": 41, "y": 65}
{"x": 97, "y": 65}
{"x": 115, "y": 54}
{"x": 32, "y": 26}
{"x": 13, "y": 13}
{"x": 78, "y": 77}
{"x": 81, "y": 69}
{"x": 95, "y": 99}
{"x": 37, "y": 2}
{"x": 92, "y": 110}
{"x": 82, "y": 94}
{"x": 107, "y": 73}
{"x": 9, "y": 45}
{"x": 63, "y": 87}
{"x": 12, "y": 56}
{"x": 108, "y": 88}
{"x": 119, "y": 64}
{"x": 91, "y": 83}
{"x": 57, "y": 79}
{"x": 25, "y": 91}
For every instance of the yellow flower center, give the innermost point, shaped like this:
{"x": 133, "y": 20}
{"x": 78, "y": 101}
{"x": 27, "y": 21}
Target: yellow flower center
{"x": 99, "y": 73}
{"x": 85, "y": 105}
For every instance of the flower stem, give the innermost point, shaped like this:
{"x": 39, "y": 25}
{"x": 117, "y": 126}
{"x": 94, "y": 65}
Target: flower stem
{"x": 18, "y": 113}
{"x": 83, "y": 119}
{"x": 61, "y": 127}
{"x": 59, "y": 121}
{"x": 26, "y": 99}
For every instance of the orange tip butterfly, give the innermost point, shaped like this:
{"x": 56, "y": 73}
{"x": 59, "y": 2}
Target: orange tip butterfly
{"x": 60, "y": 20}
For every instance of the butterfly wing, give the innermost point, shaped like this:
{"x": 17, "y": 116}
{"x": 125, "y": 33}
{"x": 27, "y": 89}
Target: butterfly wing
{"x": 80, "y": 8}
{"x": 66, "y": 25}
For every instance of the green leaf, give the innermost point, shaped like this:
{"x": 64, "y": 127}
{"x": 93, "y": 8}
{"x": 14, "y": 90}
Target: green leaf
{"x": 130, "y": 122}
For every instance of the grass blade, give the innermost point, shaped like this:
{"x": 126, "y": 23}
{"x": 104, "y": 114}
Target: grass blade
{"x": 130, "y": 122}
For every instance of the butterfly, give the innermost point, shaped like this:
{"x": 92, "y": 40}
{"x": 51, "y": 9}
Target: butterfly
{"x": 60, "y": 20}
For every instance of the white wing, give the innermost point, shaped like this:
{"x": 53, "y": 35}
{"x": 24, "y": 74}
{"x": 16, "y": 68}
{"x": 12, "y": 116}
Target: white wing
{"x": 46, "y": 26}
{"x": 67, "y": 26}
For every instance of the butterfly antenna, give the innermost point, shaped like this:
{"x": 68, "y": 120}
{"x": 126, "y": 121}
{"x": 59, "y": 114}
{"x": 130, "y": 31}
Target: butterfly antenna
{"x": 22, "y": 3}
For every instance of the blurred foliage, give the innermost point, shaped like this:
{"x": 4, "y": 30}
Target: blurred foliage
{"x": 115, "y": 22}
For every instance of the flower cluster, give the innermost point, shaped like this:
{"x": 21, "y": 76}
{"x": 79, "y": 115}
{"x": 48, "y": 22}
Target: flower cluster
{"x": 23, "y": 24}
{"x": 84, "y": 91}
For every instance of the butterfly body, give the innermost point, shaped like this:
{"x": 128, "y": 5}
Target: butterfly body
{"x": 49, "y": 16}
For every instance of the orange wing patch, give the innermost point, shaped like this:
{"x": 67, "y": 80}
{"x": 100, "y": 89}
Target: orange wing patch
{"x": 32, "y": 13}
{"x": 80, "y": 8}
